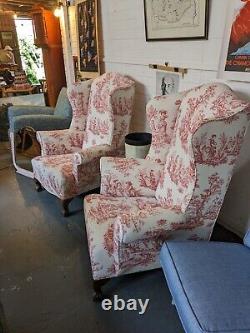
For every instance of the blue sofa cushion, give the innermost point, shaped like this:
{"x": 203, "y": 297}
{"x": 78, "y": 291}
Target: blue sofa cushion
{"x": 210, "y": 285}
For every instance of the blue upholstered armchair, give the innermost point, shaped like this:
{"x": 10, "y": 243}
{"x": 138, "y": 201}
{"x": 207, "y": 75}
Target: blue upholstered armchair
{"x": 210, "y": 284}
{"x": 42, "y": 118}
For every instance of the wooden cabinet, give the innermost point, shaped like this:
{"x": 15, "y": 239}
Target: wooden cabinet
{"x": 48, "y": 36}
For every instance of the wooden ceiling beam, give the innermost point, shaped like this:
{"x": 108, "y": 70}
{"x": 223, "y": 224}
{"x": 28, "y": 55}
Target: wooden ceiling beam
{"x": 47, "y": 2}
{"x": 13, "y": 8}
{"x": 25, "y": 3}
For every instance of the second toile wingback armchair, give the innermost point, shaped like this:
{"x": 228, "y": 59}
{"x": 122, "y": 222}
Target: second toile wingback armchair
{"x": 70, "y": 159}
{"x": 176, "y": 192}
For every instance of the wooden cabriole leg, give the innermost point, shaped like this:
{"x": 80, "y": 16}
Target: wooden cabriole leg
{"x": 65, "y": 207}
{"x": 97, "y": 286}
{"x": 38, "y": 185}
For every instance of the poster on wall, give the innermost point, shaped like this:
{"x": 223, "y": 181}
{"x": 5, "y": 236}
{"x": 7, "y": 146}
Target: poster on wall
{"x": 171, "y": 19}
{"x": 86, "y": 19}
{"x": 166, "y": 83}
{"x": 235, "y": 54}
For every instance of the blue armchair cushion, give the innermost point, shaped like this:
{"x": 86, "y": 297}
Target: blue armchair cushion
{"x": 210, "y": 285}
{"x": 63, "y": 107}
{"x": 39, "y": 122}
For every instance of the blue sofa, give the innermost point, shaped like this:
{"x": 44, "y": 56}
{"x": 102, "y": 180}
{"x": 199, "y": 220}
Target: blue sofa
{"x": 210, "y": 284}
{"x": 42, "y": 118}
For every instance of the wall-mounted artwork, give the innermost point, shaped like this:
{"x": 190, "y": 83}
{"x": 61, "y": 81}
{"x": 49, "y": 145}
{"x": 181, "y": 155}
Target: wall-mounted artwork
{"x": 235, "y": 54}
{"x": 86, "y": 19}
{"x": 166, "y": 83}
{"x": 172, "y": 20}
{"x": 8, "y": 39}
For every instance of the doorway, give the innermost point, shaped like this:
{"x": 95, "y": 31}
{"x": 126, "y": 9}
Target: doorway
{"x": 31, "y": 55}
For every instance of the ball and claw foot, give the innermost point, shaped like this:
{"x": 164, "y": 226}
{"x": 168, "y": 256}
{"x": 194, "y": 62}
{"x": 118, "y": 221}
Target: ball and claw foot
{"x": 65, "y": 207}
{"x": 98, "y": 295}
{"x": 38, "y": 186}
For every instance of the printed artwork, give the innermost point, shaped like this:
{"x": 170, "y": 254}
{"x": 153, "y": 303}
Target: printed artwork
{"x": 235, "y": 53}
{"x": 171, "y": 19}
{"x": 87, "y": 34}
{"x": 166, "y": 84}
{"x": 238, "y": 55}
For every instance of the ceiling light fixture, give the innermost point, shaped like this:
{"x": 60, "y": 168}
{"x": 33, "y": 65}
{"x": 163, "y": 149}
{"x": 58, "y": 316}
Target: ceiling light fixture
{"x": 58, "y": 10}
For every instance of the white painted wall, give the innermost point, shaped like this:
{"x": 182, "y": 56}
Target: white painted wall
{"x": 125, "y": 50}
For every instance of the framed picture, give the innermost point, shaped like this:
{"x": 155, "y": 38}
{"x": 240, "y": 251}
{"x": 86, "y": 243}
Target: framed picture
{"x": 235, "y": 53}
{"x": 8, "y": 39}
{"x": 173, "y": 20}
{"x": 166, "y": 83}
{"x": 86, "y": 20}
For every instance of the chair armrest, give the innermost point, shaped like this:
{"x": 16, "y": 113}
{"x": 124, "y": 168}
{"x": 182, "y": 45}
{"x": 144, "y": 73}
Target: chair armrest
{"x": 148, "y": 221}
{"x": 39, "y": 122}
{"x": 60, "y": 141}
{"x": 129, "y": 177}
{"x": 247, "y": 238}
{"x": 88, "y": 154}
{"x": 87, "y": 162}
{"x": 22, "y": 110}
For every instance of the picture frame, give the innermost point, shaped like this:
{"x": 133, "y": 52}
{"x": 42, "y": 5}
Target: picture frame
{"x": 186, "y": 21}
{"x": 167, "y": 83}
{"x": 7, "y": 38}
{"x": 235, "y": 52}
{"x": 87, "y": 38}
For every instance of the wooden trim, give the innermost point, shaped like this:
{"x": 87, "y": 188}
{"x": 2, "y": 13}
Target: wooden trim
{"x": 167, "y": 68}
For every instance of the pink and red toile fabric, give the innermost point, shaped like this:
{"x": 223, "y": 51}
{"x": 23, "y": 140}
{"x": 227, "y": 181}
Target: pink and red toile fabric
{"x": 177, "y": 192}
{"x": 70, "y": 161}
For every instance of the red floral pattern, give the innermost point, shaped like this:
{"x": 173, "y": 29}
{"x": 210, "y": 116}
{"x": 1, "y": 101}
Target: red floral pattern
{"x": 162, "y": 112}
{"x": 79, "y": 99}
{"x": 106, "y": 102}
{"x": 129, "y": 177}
{"x": 143, "y": 203}
{"x": 70, "y": 162}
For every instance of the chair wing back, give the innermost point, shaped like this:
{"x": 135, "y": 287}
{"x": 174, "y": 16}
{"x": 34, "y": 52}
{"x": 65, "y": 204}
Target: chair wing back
{"x": 162, "y": 112}
{"x": 78, "y": 96}
{"x": 122, "y": 104}
{"x": 103, "y": 108}
{"x": 207, "y": 140}
{"x": 63, "y": 107}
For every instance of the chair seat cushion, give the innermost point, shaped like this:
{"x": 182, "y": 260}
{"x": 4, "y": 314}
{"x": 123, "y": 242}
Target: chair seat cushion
{"x": 210, "y": 285}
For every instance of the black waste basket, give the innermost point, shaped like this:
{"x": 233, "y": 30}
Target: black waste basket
{"x": 137, "y": 144}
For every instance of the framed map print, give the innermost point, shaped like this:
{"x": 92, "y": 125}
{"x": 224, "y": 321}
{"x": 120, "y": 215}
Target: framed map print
{"x": 235, "y": 53}
{"x": 86, "y": 20}
{"x": 173, "y": 20}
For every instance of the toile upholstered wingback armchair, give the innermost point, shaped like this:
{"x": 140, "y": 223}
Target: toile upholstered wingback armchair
{"x": 69, "y": 164}
{"x": 176, "y": 192}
